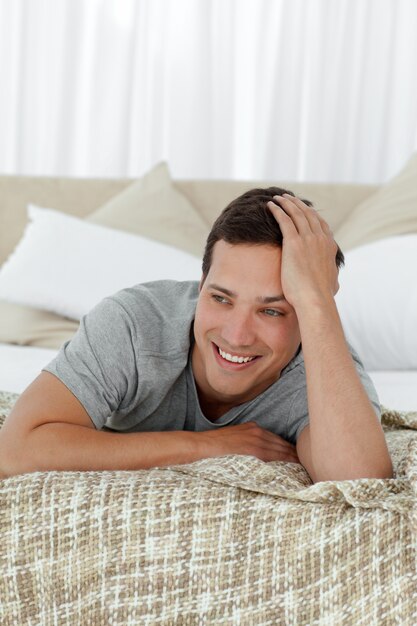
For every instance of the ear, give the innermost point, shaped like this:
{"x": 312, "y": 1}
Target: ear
{"x": 337, "y": 285}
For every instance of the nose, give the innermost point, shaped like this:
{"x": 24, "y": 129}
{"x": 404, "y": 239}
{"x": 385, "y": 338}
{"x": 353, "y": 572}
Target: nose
{"x": 238, "y": 332}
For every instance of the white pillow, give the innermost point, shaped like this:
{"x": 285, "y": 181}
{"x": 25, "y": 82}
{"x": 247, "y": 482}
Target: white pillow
{"x": 377, "y": 302}
{"x": 67, "y": 265}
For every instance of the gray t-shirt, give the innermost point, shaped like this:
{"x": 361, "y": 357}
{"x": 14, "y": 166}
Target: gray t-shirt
{"x": 129, "y": 365}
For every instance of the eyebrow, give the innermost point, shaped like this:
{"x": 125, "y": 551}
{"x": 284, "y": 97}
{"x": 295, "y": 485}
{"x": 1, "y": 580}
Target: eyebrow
{"x": 263, "y": 300}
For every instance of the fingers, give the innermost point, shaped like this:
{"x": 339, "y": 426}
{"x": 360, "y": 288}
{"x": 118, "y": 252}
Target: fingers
{"x": 286, "y": 224}
{"x": 279, "y": 454}
{"x": 311, "y": 213}
{"x": 304, "y": 218}
{"x": 268, "y": 435}
{"x": 278, "y": 449}
{"x": 263, "y": 443}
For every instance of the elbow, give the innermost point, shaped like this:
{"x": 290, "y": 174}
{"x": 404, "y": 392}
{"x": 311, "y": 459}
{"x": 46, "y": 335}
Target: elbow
{"x": 378, "y": 466}
{"x": 383, "y": 470}
{"x": 381, "y": 473}
{"x": 10, "y": 469}
{"x": 7, "y": 468}
{"x": 13, "y": 461}
{"x": 387, "y": 471}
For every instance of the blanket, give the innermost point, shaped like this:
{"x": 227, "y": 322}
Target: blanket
{"x": 227, "y": 540}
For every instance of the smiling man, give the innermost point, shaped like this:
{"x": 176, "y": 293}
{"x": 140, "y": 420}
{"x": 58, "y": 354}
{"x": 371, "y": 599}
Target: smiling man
{"x": 252, "y": 360}
{"x": 245, "y": 331}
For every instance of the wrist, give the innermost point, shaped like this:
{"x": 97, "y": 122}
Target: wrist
{"x": 199, "y": 445}
{"x": 196, "y": 448}
{"x": 320, "y": 324}
{"x": 316, "y": 303}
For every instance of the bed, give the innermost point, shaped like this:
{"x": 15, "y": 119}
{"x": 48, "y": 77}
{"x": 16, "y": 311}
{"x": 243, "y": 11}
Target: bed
{"x": 231, "y": 540}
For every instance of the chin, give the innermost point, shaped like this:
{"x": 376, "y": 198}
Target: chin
{"x": 229, "y": 394}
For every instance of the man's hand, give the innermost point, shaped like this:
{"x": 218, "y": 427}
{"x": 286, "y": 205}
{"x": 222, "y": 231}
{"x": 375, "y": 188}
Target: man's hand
{"x": 308, "y": 270}
{"x": 249, "y": 438}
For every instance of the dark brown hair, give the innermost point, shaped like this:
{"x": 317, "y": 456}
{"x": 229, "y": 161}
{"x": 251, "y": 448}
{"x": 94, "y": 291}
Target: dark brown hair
{"x": 247, "y": 219}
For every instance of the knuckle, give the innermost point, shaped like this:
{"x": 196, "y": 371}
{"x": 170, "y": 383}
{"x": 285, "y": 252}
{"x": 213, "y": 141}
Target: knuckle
{"x": 310, "y": 237}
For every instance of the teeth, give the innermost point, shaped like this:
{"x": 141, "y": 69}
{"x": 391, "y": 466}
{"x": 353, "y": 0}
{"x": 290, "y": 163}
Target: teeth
{"x": 235, "y": 359}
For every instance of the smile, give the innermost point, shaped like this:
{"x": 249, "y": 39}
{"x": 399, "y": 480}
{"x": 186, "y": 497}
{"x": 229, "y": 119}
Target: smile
{"x": 233, "y": 361}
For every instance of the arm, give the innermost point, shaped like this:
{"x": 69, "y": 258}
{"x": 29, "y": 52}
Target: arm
{"x": 344, "y": 439}
{"x": 49, "y": 429}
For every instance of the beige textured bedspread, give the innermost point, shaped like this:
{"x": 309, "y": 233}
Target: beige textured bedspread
{"x": 231, "y": 540}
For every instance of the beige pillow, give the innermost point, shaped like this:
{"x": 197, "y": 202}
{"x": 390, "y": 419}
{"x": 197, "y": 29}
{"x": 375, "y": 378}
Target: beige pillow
{"x": 392, "y": 210}
{"x": 153, "y": 207}
{"x": 26, "y": 326}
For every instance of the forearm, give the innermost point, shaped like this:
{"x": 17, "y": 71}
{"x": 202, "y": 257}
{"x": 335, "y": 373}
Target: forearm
{"x": 346, "y": 438}
{"x": 68, "y": 447}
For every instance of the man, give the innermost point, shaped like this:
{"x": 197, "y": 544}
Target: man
{"x": 253, "y": 361}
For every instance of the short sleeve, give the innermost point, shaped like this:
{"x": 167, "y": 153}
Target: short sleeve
{"x": 98, "y": 364}
{"x": 367, "y": 383}
{"x": 298, "y": 416}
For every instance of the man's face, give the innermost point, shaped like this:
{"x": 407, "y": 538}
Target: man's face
{"x": 241, "y": 311}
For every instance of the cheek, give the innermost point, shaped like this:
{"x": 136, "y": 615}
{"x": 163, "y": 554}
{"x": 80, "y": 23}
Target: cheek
{"x": 204, "y": 321}
{"x": 286, "y": 336}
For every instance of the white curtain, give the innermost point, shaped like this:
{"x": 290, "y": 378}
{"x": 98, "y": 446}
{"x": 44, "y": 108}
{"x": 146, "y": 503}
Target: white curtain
{"x": 318, "y": 90}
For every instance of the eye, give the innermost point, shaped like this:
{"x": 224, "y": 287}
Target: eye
{"x": 219, "y": 299}
{"x": 273, "y": 313}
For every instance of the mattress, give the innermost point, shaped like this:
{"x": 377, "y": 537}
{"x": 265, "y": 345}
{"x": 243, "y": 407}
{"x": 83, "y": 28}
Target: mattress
{"x": 20, "y": 365}
{"x": 397, "y": 389}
